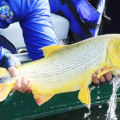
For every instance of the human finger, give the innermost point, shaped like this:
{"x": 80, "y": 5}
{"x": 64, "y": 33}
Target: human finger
{"x": 101, "y": 79}
{"x": 17, "y": 85}
{"x": 28, "y": 91}
{"x": 25, "y": 84}
{"x": 108, "y": 75}
{"x": 95, "y": 79}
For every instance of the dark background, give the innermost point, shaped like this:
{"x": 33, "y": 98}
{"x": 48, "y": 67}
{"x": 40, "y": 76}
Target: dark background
{"x": 113, "y": 11}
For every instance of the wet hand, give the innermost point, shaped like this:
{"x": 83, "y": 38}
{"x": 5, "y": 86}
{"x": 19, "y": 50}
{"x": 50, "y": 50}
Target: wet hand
{"x": 22, "y": 84}
{"x": 103, "y": 78}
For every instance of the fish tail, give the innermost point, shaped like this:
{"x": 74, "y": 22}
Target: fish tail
{"x": 5, "y": 89}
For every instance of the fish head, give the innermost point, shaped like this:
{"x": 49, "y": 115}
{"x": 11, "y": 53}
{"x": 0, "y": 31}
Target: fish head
{"x": 114, "y": 51}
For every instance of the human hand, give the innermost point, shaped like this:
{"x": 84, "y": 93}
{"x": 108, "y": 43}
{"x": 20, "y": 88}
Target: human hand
{"x": 22, "y": 84}
{"x": 103, "y": 78}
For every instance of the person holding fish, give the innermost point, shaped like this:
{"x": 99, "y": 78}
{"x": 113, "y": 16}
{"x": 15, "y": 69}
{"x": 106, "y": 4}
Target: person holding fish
{"x": 38, "y": 31}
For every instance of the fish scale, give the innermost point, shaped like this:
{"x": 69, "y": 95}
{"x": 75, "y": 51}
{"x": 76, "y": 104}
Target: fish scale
{"x": 76, "y": 61}
{"x": 69, "y": 68}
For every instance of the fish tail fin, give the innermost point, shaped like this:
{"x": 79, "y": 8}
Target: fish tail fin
{"x": 5, "y": 89}
{"x": 84, "y": 95}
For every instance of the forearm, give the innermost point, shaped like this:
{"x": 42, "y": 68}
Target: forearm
{"x": 38, "y": 30}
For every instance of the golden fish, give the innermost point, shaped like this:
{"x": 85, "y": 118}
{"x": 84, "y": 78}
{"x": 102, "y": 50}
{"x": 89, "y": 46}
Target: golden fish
{"x": 67, "y": 68}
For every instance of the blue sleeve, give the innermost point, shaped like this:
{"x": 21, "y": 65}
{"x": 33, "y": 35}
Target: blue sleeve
{"x": 37, "y": 29}
{"x": 3, "y": 52}
{"x": 7, "y": 59}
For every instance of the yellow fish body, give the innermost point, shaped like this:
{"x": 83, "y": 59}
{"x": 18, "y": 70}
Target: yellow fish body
{"x": 67, "y": 68}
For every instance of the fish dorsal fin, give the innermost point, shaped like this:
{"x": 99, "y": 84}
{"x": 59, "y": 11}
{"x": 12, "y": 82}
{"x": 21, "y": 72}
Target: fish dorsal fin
{"x": 49, "y": 50}
{"x": 2, "y": 71}
{"x": 84, "y": 95}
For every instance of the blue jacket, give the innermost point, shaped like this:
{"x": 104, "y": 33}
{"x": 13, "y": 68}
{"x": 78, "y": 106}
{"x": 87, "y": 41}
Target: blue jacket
{"x": 3, "y": 52}
{"x": 34, "y": 19}
{"x": 88, "y": 14}
{"x": 7, "y": 59}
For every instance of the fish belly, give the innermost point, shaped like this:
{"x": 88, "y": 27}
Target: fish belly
{"x": 69, "y": 68}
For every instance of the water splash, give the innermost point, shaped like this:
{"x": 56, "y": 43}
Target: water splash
{"x": 86, "y": 115}
{"x": 111, "y": 115}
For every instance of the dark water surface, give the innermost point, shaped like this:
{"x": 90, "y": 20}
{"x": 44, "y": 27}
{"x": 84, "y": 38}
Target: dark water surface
{"x": 98, "y": 112}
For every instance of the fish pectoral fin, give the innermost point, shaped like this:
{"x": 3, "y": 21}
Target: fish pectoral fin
{"x": 49, "y": 50}
{"x": 40, "y": 99}
{"x": 84, "y": 95}
{"x": 5, "y": 90}
{"x": 104, "y": 71}
{"x": 2, "y": 71}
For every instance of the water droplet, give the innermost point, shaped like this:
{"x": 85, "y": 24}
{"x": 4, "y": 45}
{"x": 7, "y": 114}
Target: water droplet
{"x": 22, "y": 101}
{"x": 14, "y": 103}
{"x": 11, "y": 93}
{"x": 100, "y": 106}
{"x": 98, "y": 117}
{"x": 98, "y": 97}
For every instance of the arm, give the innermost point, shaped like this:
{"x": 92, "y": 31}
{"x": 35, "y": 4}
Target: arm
{"x": 9, "y": 61}
{"x": 37, "y": 28}
{"x": 34, "y": 18}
